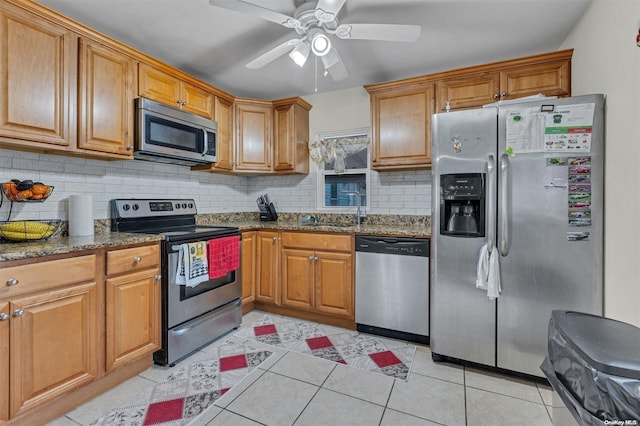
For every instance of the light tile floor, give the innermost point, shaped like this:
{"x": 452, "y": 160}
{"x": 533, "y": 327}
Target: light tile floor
{"x": 294, "y": 389}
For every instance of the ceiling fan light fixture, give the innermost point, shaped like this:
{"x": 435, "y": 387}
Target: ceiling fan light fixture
{"x": 300, "y": 53}
{"x": 320, "y": 43}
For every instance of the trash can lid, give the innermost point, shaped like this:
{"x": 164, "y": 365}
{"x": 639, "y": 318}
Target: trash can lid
{"x": 610, "y": 346}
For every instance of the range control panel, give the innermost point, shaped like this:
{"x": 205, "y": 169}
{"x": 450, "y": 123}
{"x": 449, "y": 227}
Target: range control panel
{"x": 136, "y": 208}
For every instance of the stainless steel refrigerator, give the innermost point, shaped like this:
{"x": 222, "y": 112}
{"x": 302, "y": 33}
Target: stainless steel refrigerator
{"x": 522, "y": 185}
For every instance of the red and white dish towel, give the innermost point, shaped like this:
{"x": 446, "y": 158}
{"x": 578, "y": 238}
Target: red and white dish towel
{"x": 224, "y": 256}
{"x": 193, "y": 268}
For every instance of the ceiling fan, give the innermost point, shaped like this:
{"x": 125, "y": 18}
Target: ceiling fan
{"x": 313, "y": 22}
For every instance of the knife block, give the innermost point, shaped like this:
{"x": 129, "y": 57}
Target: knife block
{"x": 268, "y": 213}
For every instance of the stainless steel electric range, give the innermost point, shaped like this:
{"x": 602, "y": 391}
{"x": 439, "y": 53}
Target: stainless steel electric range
{"x": 191, "y": 316}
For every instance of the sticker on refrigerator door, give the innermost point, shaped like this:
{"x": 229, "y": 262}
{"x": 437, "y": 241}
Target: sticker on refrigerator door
{"x": 569, "y": 128}
{"x": 578, "y": 236}
{"x": 579, "y": 217}
{"x": 457, "y": 145}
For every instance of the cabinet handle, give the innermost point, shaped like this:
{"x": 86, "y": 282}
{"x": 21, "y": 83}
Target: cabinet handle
{"x": 496, "y": 96}
{"x": 18, "y": 313}
{"x": 503, "y": 94}
{"x": 12, "y": 281}
{"x": 4, "y": 317}
{"x": 137, "y": 259}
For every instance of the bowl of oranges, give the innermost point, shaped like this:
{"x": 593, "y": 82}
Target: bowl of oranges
{"x": 26, "y": 190}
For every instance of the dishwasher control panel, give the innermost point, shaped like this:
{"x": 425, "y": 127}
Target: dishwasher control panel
{"x": 399, "y": 246}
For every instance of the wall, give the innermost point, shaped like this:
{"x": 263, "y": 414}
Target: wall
{"x": 607, "y": 60}
{"x": 214, "y": 193}
{"x": 391, "y": 192}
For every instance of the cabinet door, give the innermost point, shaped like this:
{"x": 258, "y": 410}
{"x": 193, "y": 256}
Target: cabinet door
{"x": 297, "y": 278}
{"x": 106, "y": 113}
{"x": 4, "y": 361}
{"x": 248, "y": 267}
{"x": 224, "y": 117}
{"x": 158, "y": 86}
{"x": 37, "y": 79}
{"x": 196, "y": 100}
{"x": 133, "y": 317}
{"x": 54, "y": 339}
{"x": 253, "y": 137}
{"x": 401, "y": 128}
{"x": 334, "y": 283}
{"x": 267, "y": 258}
{"x": 551, "y": 79}
{"x": 291, "y": 139}
{"x": 468, "y": 91}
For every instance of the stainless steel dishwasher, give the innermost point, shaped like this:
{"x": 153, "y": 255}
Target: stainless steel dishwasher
{"x": 392, "y": 287}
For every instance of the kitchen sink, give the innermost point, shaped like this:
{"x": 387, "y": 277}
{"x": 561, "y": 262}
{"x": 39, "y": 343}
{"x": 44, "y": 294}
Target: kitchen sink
{"x": 333, "y": 225}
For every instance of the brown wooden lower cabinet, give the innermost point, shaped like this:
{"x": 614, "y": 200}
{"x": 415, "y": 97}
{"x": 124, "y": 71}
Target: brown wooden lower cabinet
{"x": 267, "y": 266}
{"x": 248, "y": 267}
{"x": 55, "y": 312}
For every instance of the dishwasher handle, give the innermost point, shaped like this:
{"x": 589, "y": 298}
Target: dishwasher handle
{"x": 393, "y": 246}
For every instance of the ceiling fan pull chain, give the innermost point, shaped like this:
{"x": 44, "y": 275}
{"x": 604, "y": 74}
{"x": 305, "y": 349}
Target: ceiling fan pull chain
{"x": 316, "y": 70}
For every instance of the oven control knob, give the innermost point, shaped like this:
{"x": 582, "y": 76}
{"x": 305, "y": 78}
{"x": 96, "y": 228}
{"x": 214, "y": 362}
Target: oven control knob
{"x": 125, "y": 207}
{"x": 190, "y": 205}
{"x": 177, "y": 205}
{"x": 184, "y": 205}
{"x": 135, "y": 207}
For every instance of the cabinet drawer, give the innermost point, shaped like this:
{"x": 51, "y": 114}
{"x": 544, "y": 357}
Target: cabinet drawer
{"x": 48, "y": 274}
{"x": 132, "y": 259}
{"x": 317, "y": 241}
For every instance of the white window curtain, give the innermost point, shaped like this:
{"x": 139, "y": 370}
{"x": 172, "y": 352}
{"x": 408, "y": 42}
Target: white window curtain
{"x": 327, "y": 148}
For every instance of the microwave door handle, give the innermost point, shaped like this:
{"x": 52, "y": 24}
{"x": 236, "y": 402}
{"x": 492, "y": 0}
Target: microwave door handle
{"x": 206, "y": 141}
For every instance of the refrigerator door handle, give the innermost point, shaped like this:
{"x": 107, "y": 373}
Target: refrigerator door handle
{"x": 491, "y": 202}
{"x": 503, "y": 215}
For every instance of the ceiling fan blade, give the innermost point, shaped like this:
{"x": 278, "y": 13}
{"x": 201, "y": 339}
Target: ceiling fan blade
{"x": 333, "y": 64}
{"x": 383, "y": 32}
{"x": 327, "y": 10}
{"x": 273, "y": 54}
{"x": 259, "y": 11}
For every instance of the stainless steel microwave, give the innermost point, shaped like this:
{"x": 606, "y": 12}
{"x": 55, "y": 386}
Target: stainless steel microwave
{"x": 170, "y": 135}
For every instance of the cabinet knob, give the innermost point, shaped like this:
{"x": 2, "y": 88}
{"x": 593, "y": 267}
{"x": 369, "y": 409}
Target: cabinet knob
{"x": 374, "y": 160}
{"x": 275, "y": 239}
{"x": 290, "y": 164}
{"x": 130, "y": 148}
{"x": 310, "y": 257}
{"x": 316, "y": 258}
{"x": 4, "y": 317}
{"x": 18, "y": 313}
{"x": 158, "y": 277}
{"x": 503, "y": 94}
{"x": 496, "y": 96}
{"x": 137, "y": 259}
{"x": 12, "y": 281}
{"x": 179, "y": 102}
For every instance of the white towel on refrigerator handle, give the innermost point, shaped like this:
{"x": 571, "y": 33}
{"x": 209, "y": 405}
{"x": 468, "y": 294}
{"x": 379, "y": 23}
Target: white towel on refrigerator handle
{"x": 483, "y": 268}
{"x": 493, "y": 277}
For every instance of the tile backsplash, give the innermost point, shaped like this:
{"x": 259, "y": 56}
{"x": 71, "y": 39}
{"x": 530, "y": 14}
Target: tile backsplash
{"x": 405, "y": 193}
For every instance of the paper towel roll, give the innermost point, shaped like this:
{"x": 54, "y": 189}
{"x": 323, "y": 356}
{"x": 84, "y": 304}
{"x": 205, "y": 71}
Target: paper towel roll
{"x": 80, "y": 215}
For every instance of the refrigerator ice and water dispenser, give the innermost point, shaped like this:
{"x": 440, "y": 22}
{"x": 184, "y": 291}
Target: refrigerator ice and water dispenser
{"x": 462, "y": 205}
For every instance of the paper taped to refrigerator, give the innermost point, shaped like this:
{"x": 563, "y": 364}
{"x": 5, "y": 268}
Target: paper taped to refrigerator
{"x": 565, "y": 129}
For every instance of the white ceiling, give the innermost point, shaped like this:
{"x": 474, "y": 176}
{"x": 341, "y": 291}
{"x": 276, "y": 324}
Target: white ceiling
{"x": 214, "y": 44}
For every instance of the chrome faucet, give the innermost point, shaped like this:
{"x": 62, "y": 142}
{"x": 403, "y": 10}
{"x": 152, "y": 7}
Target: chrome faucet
{"x": 358, "y": 204}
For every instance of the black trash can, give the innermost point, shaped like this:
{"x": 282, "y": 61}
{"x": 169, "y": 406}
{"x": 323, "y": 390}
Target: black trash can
{"x": 593, "y": 363}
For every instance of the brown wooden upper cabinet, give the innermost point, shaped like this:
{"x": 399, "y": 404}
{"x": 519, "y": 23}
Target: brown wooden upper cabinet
{"x": 253, "y": 136}
{"x": 106, "y": 85}
{"x": 163, "y": 87}
{"x": 291, "y": 133}
{"x": 401, "y": 131}
{"x": 37, "y": 82}
{"x": 548, "y": 74}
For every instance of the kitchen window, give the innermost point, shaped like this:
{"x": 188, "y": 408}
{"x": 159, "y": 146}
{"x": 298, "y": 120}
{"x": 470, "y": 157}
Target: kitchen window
{"x": 343, "y": 166}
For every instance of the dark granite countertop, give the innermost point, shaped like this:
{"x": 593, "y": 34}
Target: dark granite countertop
{"x": 383, "y": 225}
{"x": 64, "y": 244}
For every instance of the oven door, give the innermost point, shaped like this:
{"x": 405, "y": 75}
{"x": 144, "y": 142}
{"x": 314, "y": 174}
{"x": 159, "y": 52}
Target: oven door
{"x": 186, "y": 303}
